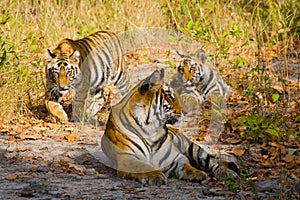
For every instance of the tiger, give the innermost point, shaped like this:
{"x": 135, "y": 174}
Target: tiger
{"x": 196, "y": 82}
{"x": 144, "y": 146}
{"x": 78, "y": 68}
{"x": 196, "y": 74}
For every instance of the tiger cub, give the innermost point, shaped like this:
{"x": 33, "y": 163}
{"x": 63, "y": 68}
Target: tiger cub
{"x": 196, "y": 82}
{"x": 76, "y": 69}
{"x": 196, "y": 74}
{"x": 142, "y": 144}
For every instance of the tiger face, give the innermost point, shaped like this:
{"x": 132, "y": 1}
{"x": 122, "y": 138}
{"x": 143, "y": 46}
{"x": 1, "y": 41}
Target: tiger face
{"x": 171, "y": 105}
{"x": 156, "y": 102}
{"x": 190, "y": 72}
{"x": 61, "y": 71}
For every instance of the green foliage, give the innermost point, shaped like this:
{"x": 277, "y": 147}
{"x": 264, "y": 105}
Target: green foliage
{"x": 257, "y": 127}
{"x": 8, "y": 55}
{"x": 7, "y": 50}
{"x": 231, "y": 184}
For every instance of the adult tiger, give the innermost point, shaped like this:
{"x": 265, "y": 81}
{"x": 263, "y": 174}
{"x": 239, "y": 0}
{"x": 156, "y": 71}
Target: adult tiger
{"x": 84, "y": 66}
{"x": 144, "y": 147}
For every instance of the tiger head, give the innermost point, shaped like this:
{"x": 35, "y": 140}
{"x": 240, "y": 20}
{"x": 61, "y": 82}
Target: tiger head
{"x": 191, "y": 68}
{"x": 152, "y": 103}
{"x": 62, "y": 68}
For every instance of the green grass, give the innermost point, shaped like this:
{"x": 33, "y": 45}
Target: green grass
{"x": 234, "y": 33}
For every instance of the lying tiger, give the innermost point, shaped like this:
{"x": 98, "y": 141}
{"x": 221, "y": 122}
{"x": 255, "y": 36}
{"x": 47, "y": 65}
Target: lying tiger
{"x": 142, "y": 144}
{"x": 78, "y": 68}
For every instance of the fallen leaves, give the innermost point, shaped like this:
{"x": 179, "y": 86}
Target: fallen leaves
{"x": 29, "y": 136}
{"x": 67, "y": 168}
{"x": 72, "y": 138}
{"x": 233, "y": 140}
{"x": 24, "y": 129}
{"x": 288, "y": 158}
{"x": 22, "y": 149}
{"x": 11, "y": 177}
{"x": 238, "y": 151}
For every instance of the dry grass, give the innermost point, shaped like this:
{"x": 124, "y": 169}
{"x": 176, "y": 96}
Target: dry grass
{"x": 28, "y": 28}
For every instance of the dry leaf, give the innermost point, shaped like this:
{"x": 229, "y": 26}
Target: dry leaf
{"x": 52, "y": 125}
{"x": 233, "y": 140}
{"x": 22, "y": 149}
{"x": 77, "y": 170}
{"x": 26, "y": 176}
{"x": 64, "y": 164}
{"x": 11, "y": 177}
{"x": 288, "y": 158}
{"x": 266, "y": 163}
{"x": 297, "y": 159}
{"x": 39, "y": 129}
{"x": 128, "y": 187}
{"x": 29, "y": 137}
{"x": 71, "y": 138}
{"x": 238, "y": 150}
{"x": 42, "y": 148}
{"x": 273, "y": 144}
{"x": 70, "y": 129}
{"x": 140, "y": 197}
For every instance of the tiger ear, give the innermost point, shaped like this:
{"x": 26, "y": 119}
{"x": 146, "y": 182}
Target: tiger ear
{"x": 201, "y": 55}
{"x": 49, "y": 55}
{"x": 75, "y": 57}
{"x": 181, "y": 54}
{"x": 154, "y": 81}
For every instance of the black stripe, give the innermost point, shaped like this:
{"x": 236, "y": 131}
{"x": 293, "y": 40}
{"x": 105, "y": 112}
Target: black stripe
{"x": 210, "y": 89}
{"x": 207, "y": 160}
{"x": 166, "y": 154}
{"x": 191, "y": 155}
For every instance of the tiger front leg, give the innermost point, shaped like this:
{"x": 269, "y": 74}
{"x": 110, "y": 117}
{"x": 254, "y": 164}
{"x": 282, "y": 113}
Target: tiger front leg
{"x": 156, "y": 178}
{"x": 132, "y": 169}
{"x": 57, "y": 110}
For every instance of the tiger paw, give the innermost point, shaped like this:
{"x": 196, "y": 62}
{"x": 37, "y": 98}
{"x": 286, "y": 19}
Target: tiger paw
{"x": 56, "y": 110}
{"x": 192, "y": 174}
{"x": 229, "y": 169}
{"x": 67, "y": 97}
{"x": 156, "y": 178}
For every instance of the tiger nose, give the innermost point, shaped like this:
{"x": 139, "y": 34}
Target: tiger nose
{"x": 63, "y": 85}
{"x": 64, "y": 88}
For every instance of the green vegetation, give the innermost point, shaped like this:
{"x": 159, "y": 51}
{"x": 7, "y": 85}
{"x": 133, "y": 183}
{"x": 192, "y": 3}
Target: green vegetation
{"x": 241, "y": 37}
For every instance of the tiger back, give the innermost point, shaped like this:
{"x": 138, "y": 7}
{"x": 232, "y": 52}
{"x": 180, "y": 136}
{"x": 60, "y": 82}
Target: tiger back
{"x": 76, "y": 68}
{"x": 143, "y": 145}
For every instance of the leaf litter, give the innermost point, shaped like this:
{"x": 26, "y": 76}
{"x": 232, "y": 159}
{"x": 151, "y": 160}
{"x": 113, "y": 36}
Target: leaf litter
{"x": 52, "y": 160}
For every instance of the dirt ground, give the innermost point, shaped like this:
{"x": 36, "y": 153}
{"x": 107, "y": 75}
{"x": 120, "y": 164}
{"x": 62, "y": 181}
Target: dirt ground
{"x": 50, "y": 169}
{"x": 44, "y": 160}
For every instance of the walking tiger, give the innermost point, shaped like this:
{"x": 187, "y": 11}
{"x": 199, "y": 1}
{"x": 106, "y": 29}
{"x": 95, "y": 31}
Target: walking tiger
{"x": 78, "y": 68}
